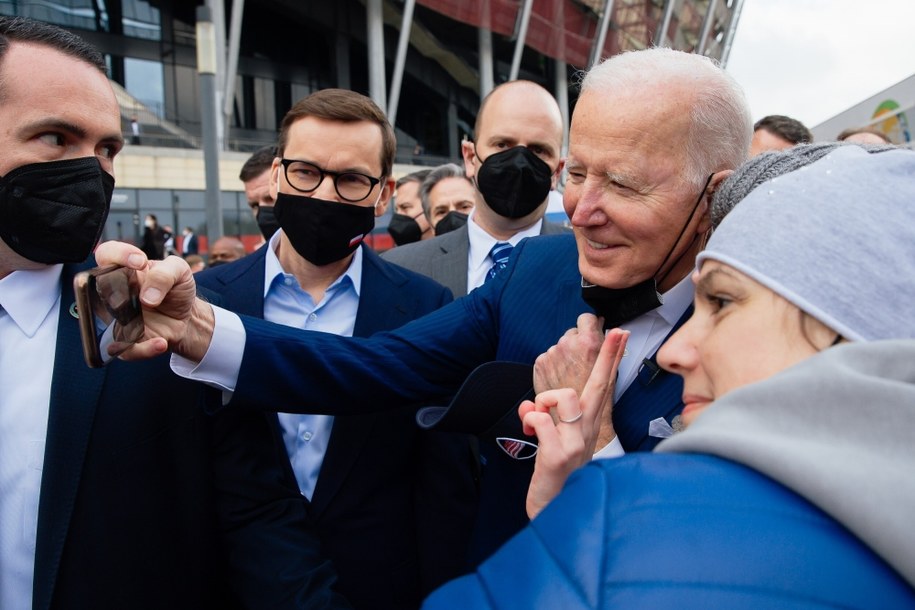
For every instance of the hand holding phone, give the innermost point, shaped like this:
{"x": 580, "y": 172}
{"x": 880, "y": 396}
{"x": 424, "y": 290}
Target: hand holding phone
{"x": 110, "y": 314}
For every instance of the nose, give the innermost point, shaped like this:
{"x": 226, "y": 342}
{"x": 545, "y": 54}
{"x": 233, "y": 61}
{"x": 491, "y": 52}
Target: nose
{"x": 678, "y": 354}
{"x": 585, "y": 206}
{"x": 325, "y": 189}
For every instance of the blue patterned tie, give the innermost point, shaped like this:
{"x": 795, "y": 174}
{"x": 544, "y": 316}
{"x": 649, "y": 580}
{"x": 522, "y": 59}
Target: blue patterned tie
{"x": 499, "y": 255}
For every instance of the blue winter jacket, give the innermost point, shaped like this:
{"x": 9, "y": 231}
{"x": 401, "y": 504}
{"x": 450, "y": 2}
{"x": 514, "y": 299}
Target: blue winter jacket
{"x": 678, "y": 531}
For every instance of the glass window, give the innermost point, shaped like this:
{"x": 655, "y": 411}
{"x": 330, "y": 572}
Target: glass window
{"x": 190, "y": 200}
{"x": 144, "y": 80}
{"x": 154, "y": 199}
{"x": 123, "y": 226}
{"x": 81, "y": 14}
{"x": 140, "y": 20}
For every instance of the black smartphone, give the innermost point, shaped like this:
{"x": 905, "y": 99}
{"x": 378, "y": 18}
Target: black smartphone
{"x": 110, "y": 314}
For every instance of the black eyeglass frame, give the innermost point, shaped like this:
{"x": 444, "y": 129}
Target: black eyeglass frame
{"x": 373, "y": 182}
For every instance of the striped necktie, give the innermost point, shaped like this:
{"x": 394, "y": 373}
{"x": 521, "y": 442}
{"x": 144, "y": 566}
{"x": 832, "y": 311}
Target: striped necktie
{"x": 499, "y": 255}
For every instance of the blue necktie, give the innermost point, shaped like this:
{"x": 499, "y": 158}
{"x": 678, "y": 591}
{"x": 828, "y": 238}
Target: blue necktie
{"x": 499, "y": 255}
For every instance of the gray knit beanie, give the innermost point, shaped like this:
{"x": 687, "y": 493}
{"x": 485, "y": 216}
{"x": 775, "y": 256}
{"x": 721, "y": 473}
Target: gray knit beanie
{"x": 836, "y": 238}
{"x": 767, "y": 166}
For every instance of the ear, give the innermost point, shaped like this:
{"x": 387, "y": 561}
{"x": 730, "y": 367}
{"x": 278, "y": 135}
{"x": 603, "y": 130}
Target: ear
{"x": 387, "y": 191}
{"x": 554, "y": 181}
{"x": 705, "y": 219}
{"x": 275, "y": 169}
{"x": 468, "y": 151}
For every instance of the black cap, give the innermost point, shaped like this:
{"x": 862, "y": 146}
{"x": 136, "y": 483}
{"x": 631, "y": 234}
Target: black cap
{"x": 486, "y": 405}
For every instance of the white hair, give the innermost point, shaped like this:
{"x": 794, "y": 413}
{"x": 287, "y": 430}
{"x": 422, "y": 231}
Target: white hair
{"x": 720, "y": 127}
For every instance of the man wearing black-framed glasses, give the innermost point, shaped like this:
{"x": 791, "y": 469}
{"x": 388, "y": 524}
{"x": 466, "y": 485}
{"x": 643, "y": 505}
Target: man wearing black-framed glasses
{"x": 378, "y": 486}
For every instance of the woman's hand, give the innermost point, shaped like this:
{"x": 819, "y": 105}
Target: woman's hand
{"x": 567, "y": 426}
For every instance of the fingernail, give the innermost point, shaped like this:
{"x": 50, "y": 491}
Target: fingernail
{"x": 152, "y": 295}
{"x": 136, "y": 260}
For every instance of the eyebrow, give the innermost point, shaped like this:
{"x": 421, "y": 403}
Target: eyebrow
{"x": 73, "y": 129}
{"x": 704, "y": 283}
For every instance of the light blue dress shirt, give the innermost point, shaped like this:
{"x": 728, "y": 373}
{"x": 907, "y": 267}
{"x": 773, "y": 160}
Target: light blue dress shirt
{"x": 306, "y": 436}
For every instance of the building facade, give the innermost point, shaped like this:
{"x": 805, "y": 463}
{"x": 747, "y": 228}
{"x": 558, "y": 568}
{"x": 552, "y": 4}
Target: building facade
{"x": 428, "y": 63}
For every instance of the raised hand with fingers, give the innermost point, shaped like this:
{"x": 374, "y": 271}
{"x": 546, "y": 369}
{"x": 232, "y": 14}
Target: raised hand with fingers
{"x": 570, "y": 441}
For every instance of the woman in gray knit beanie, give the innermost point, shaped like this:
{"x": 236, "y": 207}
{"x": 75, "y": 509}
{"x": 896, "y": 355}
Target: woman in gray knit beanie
{"x": 822, "y": 231}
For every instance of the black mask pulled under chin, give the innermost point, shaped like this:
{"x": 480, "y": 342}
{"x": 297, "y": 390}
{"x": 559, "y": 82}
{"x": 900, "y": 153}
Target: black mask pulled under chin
{"x": 618, "y": 306}
{"x": 54, "y": 212}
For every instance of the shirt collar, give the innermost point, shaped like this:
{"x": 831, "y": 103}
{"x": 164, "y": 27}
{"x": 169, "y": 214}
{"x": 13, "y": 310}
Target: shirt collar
{"x": 676, "y": 300}
{"x": 29, "y": 295}
{"x": 482, "y": 242}
{"x": 274, "y": 269}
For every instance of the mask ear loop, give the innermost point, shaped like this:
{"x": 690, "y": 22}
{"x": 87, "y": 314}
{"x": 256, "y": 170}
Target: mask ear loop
{"x": 682, "y": 231}
{"x": 382, "y": 184}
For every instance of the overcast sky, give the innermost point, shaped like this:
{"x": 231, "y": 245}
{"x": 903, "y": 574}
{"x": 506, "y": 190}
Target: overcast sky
{"x": 812, "y": 59}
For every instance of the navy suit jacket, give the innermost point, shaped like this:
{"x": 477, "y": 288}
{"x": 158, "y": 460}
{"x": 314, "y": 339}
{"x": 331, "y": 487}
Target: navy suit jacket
{"x": 146, "y": 502}
{"x": 444, "y": 258}
{"x": 515, "y": 317}
{"x": 394, "y": 506}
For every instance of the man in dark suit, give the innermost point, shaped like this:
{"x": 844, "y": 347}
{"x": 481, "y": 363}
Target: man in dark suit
{"x": 117, "y": 490}
{"x": 393, "y": 505}
{"x": 189, "y": 245}
{"x": 521, "y": 119}
{"x": 653, "y": 133}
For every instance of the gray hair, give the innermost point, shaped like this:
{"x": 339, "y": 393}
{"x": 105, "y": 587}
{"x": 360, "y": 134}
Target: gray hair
{"x": 720, "y": 127}
{"x": 448, "y": 170}
{"x": 769, "y": 165}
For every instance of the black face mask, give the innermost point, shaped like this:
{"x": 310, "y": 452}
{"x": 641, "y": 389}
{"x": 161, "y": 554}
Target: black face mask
{"x": 450, "y": 222}
{"x": 514, "y": 182}
{"x": 54, "y": 212}
{"x": 404, "y": 229}
{"x": 266, "y": 221}
{"x": 323, "y": 232}
{"x": 618, "y": 306}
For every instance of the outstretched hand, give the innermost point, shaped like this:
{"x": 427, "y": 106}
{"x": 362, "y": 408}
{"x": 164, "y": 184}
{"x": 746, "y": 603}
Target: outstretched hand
{"x": 568, "y": 425}
{"x": 174, "y": 318}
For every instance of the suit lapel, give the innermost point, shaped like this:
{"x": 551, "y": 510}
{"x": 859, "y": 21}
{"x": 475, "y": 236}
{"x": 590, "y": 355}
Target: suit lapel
{"x": 75, "y": 391}
{"x": 381, "y": 307}
{"x": 652, "y": 394}
{"x": 450, "y": 263}
{"x": 249, "y": 271}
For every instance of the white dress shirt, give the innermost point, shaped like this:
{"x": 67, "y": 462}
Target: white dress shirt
{"x": 28, "y": 336}
{"x": 478, "y": 260}
{"x": 646, "y": 334}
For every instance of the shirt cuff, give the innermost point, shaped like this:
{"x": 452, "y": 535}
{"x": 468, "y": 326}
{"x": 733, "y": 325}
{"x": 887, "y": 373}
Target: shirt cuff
{"x": 614, "y": 449}
{"x": 220, "y": 365}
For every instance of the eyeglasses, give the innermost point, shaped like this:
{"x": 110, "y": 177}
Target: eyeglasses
{"x": 306, "y": 177}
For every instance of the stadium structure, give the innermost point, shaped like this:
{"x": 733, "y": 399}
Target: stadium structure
{"x": 428, "y": 63}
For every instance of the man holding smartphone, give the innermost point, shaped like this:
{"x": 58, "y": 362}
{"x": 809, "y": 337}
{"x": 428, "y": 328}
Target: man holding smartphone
{"x": 113, "y": 491}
